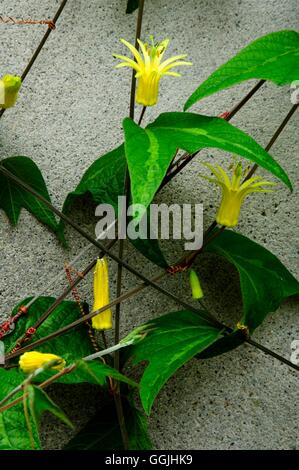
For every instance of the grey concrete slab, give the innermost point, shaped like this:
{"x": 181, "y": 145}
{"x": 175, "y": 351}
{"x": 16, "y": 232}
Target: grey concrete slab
{"x": 69, "y": 113}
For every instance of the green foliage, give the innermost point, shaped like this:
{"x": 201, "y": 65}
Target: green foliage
{"x": 170, "y": 342}
{"x": 96, "y": 372}
{"x": 272, "y": 57}
{"x": 104, "y": 181}
{"x": 132, "y": 5}
{"x": 223, "y": 345}
{"x": 150, "y": 151}
{"x": 13, "y": 428}
{"x": 265, "y": 281}
{"x": 102, "y": 431}
{"x": 13, "y": 197}
{"x": 150, "y": 247}
{"x": 39, "y": 402}
{"x": 71, "y": 346}
{"x": 165, "y": 343}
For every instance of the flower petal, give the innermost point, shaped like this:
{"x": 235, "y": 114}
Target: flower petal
{"x": 134, "y": 51}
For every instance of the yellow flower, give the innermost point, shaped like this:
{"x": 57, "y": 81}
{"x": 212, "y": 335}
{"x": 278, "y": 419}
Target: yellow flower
{"x": 149, "y": 68}
{"x": 102, "y": 321}
{"x": 196, "y": 289}
{"x": 234, "y": 192}
{"x": 9, "y": 89}
{"x": 32, "y": 360}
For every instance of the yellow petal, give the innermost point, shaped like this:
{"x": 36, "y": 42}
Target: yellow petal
{"x": 134, "y": 51}
{"x": 175, "y": 64}
{"x": 173, "y": 59}
{"x": 144, "y": 52}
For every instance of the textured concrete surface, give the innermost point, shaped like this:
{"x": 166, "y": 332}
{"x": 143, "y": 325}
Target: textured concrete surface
{"x": 69, "y": 113}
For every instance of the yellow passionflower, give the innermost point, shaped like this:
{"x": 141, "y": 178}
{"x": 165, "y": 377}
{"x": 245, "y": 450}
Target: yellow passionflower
{"x": 149, "y": 68}
{"x": 32, "y": 360}
{"x": 102, "y": 321}
{"x": 234, "y": 192}
{"x": 9, "y": 89}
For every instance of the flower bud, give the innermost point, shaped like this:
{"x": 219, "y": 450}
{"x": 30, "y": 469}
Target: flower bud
{"x": 196, "y": 289}
{"x": 102, "y": 321}
{"x": 32, "y": 360}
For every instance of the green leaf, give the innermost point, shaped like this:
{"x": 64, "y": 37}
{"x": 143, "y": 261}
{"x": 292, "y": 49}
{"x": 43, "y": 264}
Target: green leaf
{"x": 273, "y": 57}
{"x": 150, "y": 151}
{"x": 102, "y": 431}
{"x": 13, "y": 198}
{"x": 39, "y": 402}
{"x": 171, "y": 340}
{"x": 97, "y": 372}
{"x": 74, "y": 344}
{"x": 223, "y": 345}
{"x": 265, "y": 281}
{"x": 104, "y": 181}
{"x": 132, "y": 5}
{"x": 150, "y": 248}
{"x": 14, "y": 434}
{"x": 71, "y": 346}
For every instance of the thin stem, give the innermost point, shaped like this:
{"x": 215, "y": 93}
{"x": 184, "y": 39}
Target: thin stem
{"x": 72, "y": 367}
{"x": 138, "y": 34}
{"x": 149, "y": 282}
{"x": 27, "y": 420}
{"x": 127, "y": 184}
{"x": 165, "y": 181}
{"x": 127, "y": 296}
{"x": 28, "y": 379}
{"x": 178, "y": 166}
{"x": 274, "y": 138}
{"x": 117, "y": 397}
{"x": 66, "y": 370}
{"x": 246, "y": 98}
{"x": 122, "y": 298}
{"x": 64, "y": 294}
{"x": 40, "y": 46}
{"x": 44, "y": 384}
{"x": 141, "y": 115}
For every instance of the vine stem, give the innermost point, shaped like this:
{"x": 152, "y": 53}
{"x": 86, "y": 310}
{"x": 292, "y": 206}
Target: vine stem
{"x": 186, "y": 158}
{"x": 28, "y": 379}
{"x": 133, "y": 270}
{"x": 260, "y": 83}
{"x": 274, "y": 138}
{"x": 65, "y": 371}
{"x": 165, "y": 181}
{"x": 64, "y": 294}
{"x": 130, "y": 294}
{"x": 117, "y": 396}
{"x": 41, "y": 45}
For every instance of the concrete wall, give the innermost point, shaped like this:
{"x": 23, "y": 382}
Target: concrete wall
{"x": 69, "y": 113}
